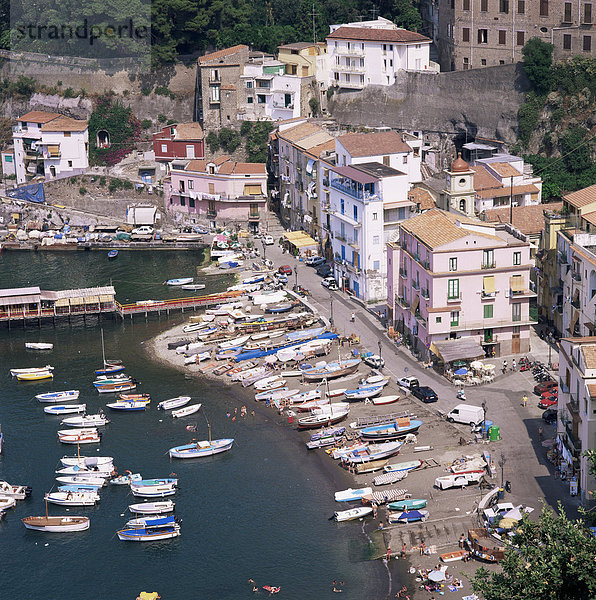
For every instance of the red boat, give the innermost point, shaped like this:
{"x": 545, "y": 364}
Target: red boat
{"x": 271, "y": 589}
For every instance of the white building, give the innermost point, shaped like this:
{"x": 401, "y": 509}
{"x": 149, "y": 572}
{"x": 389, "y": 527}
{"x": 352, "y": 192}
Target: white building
{"x": 372, "y": 52}
{"x": 49, "y": 146}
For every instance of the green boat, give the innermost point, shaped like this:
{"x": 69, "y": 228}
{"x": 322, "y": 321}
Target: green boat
{"x": 407, "y": 504}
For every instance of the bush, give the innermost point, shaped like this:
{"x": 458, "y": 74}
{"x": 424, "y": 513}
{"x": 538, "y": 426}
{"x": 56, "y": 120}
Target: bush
{"x": 102, "y": 181}
{"x": 126, "y": 93}
{"x": 528, "y": 116}
{"x": 162, "y": 118}
{"x": 69, "y": 93}
{"x": 538, "y": 59}
{"x": 229, "y": 139}
{"x": 162, "y": 90}
{"x": 171, "y": 122}
{"x": 314, "y": 106}
{"x": 145, "y": 91}
{"x": 82, "y": 191}
{"x": 212, "y": 141}
{"x": 245, "y": 128}
{"x": 146, "y": 123}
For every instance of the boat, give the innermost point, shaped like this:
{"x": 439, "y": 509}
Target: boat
{"x": 389, "y": 478}
{"x": 370, "y": 467}
{"x": 374, "y": 380}
{"x": 302, "y": 397}
{"x": 332, "y": 370}
{"x": 180, "y": 281}
{"x": 38, "y": 346}
{"x": 374, "y": 452}
{"x": 86, "y": 461}
{"x": 128, "y": 405}
{"x": 86, "y": 421}
{"x": 152, "y": 508}
{"x": 157, "y": 521}
{"x": 78, "y": 487}
{"x": 352, "y": 514}
{"x": 363, "y": 393}
{"x": 410, "y": 504}
{"x": 459, "y": 479}
{"x": 149, "y": 534}
{"x": 18, "y": 492}
{"x": 108, "y": 380}
{"x": 409, "y": 465}
{"x": 390, "y": 431}
{"x": 73, "y": 498}
{"x": 201, "y": 449}
{"x": 152, "y": 491}
{"x": 351, "y": 494}
{"x": 1, "y": 440}
{"x": 36, "y": 376}
{"x": 109, "y": 366}
{"x": 63, "y": 409}
{"x": 327, "y": 437}
{"x": 385, "y": 400}
{"x": 126, "y": 479}
{"x": 278, "y": 394}
{"x": 187, "y": 410}
{"x": 322, "y": 419}
{"x": 57, "y": 524}
{"x": 282, "y": 307}
{"x": 270, "y": 383}
{"x": 80, "y": 438}
{"x": 485, "y": 547}
{"x": 135, "y": 397}
{"x": 193, "y": 286}
{"x": 337, "y": 453}
{"x": 6, "y": 503}
{"x": 112, "y": 254}
{"x": 311, "y": 405}
{"x": 191, "y": 348}
{"x": 191, "y": 327}
{"x": 154, "y": 482}
{"x": 104, "y": 470}
{"x": 234, "y": 343}
{"x": 15, "y": 372}
{"x": 272, "y": 589}
{"x": 173, "y": 402}
{"x": 82, "y": 480}
{"x": 116, "y": 387}
{"x": 409, "y": 516}
{"x": 453, "y": 556}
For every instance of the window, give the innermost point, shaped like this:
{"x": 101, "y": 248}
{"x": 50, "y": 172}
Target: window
{"x": 466, "y": 63}
{"x": 253, "y": 210}
{"x": 484, "y": 5}
{"x": 544, "y": 8}
{"x": 502, "y": 37}
{"x": 386, "y": 161}
{"x": 517, "y": 258}
{"x": 521, "y": 7}
{"x": 453, "y": 289}
{"x": 483, "y": 36}
{"x": 212, "y": 188}
{"x": 462, "y": 205}
{"x": 342, "y": 206}
{"x": 215, "y": 93}
{"x": 375, "y": 240}
{"x": 70, "y": 163}
{"x": 405, "y": 161}
{"x": 466, "y": 4}
{"x": 455, "y": 318}
{"x": 66, "y": 133}
{"x": 483, "y": 62}
{"x": 355, "y": 213}
{"x": 164, "y": 147}
{"x": 488, "y": 259}
{"x": 516, "y": 311}
{"x": 190, "y": 184}
{"x": 587, "y": 14}
{"x": 504, "y": 6}
{"x": 488, "y": 311}
{"x": 438, "y": 319}
{"x": 520, "y": 38}
{"x": 191, "y": 202}
{"x": 567, "y": 13}
{"x": 376, "y": 265}
{"x": 587, "y": 43}
{"x": 249, "y": 85}
{"x": 374, "y": 216}
{"x": 465, "y": 34}
{"x": 250, "y": 100}
{"x": 453, "y": 264}
{"x": 211, "y": 209}
{"x": 182, "y": 201}
{"x": 260, "y": 99}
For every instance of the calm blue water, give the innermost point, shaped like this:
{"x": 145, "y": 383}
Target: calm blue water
{"x": 259, "y": 511}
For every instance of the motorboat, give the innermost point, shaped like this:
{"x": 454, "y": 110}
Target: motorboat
{"x": 408, "y": 465}
{"x": 136, "y": 397}
{"x": 104, "y": 470}
{"x": 82, "y": 480}
{"x": 18, "y": 492}
{"x": 409, "y": 516}
{"x": 64, "y": 409}
{"x": 410, "y": 504}
{"x": 128, "y": 405}
{"x": 374, "y": 452}
{"x": 86, "y": 421}
{"x": 80, "y": 438}
{"x": 38, "y": 346}
{"x": 180, "y": 281}
{"x": 374, "y": 380}
{"x": 15, "y": 372}
{"x": 86, "y": 461}
{"x": 149, "y": 534}
{"x": 126, "y": 479}
{"x": 191, "y": 348}
{"x": 363, "y": 393}
{"x": 385, "y": 400}
{"x": 311, "y": 405}
{"x": 391, "y": 431}
{"x": 173, "y": 403}
{"x": 332, "y": 370}
{"x": 193, "y": 286}
{"x": 351, "y": 494}
{"x": 116, "y": 387}
{"x": 186, "y": 410}
{"x": 36, "y": 376}
{"x": 152, "y": 508}
{"x": 154, "y": 482}
{"x": 7, "y": 502}
{"x": 65, "y": 396}
{"x": 326, "y": 437}
{"x": 157, "y": 521}
{"x": 152, "y": 491}
{"x": 110, "y": 379}
{"x": 201, "y": 449}
{"x": 302, "y": 397}
{"x": 73, "y": 498}
{"x": 56, "y": 524}
{"x": 459, "y": 479}
{"x": 278, "y": 394}
{"x": 352, "y": 514}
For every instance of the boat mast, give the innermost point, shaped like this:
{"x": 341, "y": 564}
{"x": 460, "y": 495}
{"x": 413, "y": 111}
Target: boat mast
{"x": 103, "y": 350}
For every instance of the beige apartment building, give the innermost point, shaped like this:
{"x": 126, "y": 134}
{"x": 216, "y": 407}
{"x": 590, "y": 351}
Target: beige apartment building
{"x": 482, "y": 33}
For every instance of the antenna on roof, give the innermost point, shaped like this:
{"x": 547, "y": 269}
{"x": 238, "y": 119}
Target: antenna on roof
{"x": 314, "y": 24}
{"x": 374, "y": 10}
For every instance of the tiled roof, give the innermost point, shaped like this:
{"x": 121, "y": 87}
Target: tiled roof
{"x": 189, "y": 131}
{"x": 220, "y": 160}
{"x": 505, "y": 169}
{"x": 296, "y": 46}
{"x": 483, "y": 179}
{"x": 196, "y": 165}
{"x": 222, "y": 53}
{"x": 367, "y": 34}
{"x": 505, "y": 191}
{"x": 234, "y": 168}
{"x": 422, "y": 198}
{"x": 328, "y": 146}
{"x": 592, "y": 390}
{"x": 64, "y": 124}
{"x": 373, "y": 144}
{"x": 38, "y": 116}
{"x": 582, "y": 197}
{"x": 590, "y": 218}
{"x": 294, "y": 134}
{"x": 527, "y": 219}
{"x": 434, "y": 229}
{"x": 589, "y": 353}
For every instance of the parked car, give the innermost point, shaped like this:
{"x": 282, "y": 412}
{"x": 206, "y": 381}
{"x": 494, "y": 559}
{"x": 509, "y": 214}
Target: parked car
{"x": 314, "y": 261}
{"x": 281, "y": 278}
{"x": 547, "y": 402}
{"x": 324, "y": 270}
{"x": 408, "y": 382}
{"x": 143, "y": 230}
{"x": 374, "y": 361}
{"x": 554, "y": 392}
{"x": 550, "y": 415}
{"x": 425, "y": 393}
{"x": 545, "y": 386}
{"x": 268, "y": 240}
{"x": 285, "y": 270}
{"x": 330, "y": 283}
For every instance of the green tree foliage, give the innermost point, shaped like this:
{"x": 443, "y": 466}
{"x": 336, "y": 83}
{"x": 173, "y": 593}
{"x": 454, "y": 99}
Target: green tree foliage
{"x": 256, "y": 139}
{"x": 538, "y": 59}
{"x": 553, "y": 559}
{"x": 528, "y": 116}
{"x": 314, "y": 106}
{"x": 229, "y": 139}
{"x": 574, "y": 75}
{"x": 575, "y": 144}
{"x": 212, "y": 141}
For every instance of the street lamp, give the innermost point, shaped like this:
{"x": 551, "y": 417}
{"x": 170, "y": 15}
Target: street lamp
{"x": 380, "y": 357}
{"x": 502, "y": 461}
{"x": 331, "y": 316}
{"x": 295, "y": 278}
{"x": 484, "y": 432}
{"x": 264, "y": 247}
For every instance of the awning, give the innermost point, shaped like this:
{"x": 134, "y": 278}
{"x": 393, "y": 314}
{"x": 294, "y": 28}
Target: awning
{"x": 75, "y": 301}
{"x": 54, "y": 149}
{"x": 61, "y": 302}
{"x": 16, "y": 300}
{"x": 92, "y": 300}
{"x": 309, "y": 166}
{"x": 105, "y": 298}
{"x": 292, "y": 235}
{"x": 488, "y": 284}
{"x": 517, "y": 283}
{"x": 462, "y": 349}
{"x": 415, "y": 303}
{"x": 253, "y": 190}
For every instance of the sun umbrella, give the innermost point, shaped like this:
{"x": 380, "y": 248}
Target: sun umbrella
{"x": 271, "y": 359}
{"x": 489, "y": 367}
{"x": 477, "y": 364}
{"x": 437, "y": 576}
{"x": 462, "y": 371}
{"x": 507, "y": 523}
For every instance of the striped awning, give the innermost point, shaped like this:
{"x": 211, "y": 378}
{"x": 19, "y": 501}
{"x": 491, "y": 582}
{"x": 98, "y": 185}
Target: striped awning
{"x": 517, "y": 283}
{"x": 92, "y": 300}
{"x": 61, "y": 302}
{"x": 76, "y": 301}
{"x": 104, "y": 298}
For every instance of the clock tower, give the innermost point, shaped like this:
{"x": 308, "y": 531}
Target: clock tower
{"x": 459, "y": 192}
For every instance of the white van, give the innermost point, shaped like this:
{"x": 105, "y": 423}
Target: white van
{"x": 464, "y": 413}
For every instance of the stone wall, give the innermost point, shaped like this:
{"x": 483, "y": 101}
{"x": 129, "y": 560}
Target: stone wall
{"x": 480, "y": 102}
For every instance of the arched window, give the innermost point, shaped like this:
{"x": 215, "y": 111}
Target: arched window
{"x": 103, "y": 139}
{"x": 462, "y": 205}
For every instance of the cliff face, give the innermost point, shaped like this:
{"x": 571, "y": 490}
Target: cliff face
{"x": 480, "y": 102}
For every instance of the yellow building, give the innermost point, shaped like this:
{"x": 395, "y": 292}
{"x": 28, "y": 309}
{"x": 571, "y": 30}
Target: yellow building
{"x": 300, "y": 58}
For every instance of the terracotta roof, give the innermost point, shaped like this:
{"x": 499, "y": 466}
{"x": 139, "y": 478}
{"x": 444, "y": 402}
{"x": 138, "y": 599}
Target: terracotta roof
{"x": 38, "y": 116}
{"x": 189, "y": 131}
{"x": 505, "y": 191}
{"x": 64, "y": 124}
{"x": 220, "y": 160}
{"x": 196, "y": 165}
{"x": 434, "y": 229}
{"x": 504, "y": 169}
{"x": 590, "y": 218}
{"x": 459, "y": 165}
{"x": 222, "y": 53}
{"x": 296, "y": 46}
{"x": 592, "y": 390}
{"x": 234, "y": 168}
{"x": 422, "y": 198}
{"x": 589, "y": 352}
{"x": 483, "y": 179}
{"x": 373, "y": 144}
{"x": 294, "y": 134}
{"x": 366, "y": 34}
{"x": 528, "y": 219}
{"x": 582, "y": 197}
{"x": 316, "y": 151}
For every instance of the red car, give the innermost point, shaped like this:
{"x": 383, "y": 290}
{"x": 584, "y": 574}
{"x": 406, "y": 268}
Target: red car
{"x": 554, "y": 392}
{"x": 547, "y": 402}
{"x": 285, "y": 270}
{"x": 545, "y": 386}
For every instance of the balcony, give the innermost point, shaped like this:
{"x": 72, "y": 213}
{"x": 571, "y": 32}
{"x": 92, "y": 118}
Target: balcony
{"x": 350, "y": 68}
{"x": 425, "y": 294}
{"x": 283, "y": 106}
{"x": 340, "y": 237}
{"x": 403, "y": 302}
{"x": 563, "y": 258}
{"x": 350, "y": 51}
{"x": 425, "y": 263}
{"x": 488, "y": 295}
{"x": 416, "y": 285}
{"x": 489, "y": 265}
{"x": 454, "y": 298}
{"x": 577, "y": 445}
{"x": 253, "y": 217}
{"x": 573, "y": 404}
{"x": 403, "y": 273}
{"x": 420, "y": 319}
{"x": 353, "y": 268}
{"x": 353, "y": 190}
{"x": 353, "y": 85}
{"x": 576, "y": 276}
{"x": 325, "y": 181}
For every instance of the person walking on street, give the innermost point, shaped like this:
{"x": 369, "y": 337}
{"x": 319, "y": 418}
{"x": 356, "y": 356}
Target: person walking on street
{"x": 404, "y": 549}
{"x": 524, "y": 400}
{"x": 513, "y": 365}
{"x": 540, "y": 433}
{"x": 504, "y": 369}
{"x": 422, "y": 547}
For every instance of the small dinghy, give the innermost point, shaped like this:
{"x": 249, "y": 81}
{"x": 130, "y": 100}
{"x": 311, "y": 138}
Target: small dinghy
{"x": 191, "y": 348}
{"x": 152, "y": 491}
{"x": 410, "y": 516}
{"x": 374, "y": 380}
{"x": 116, "y": 387}
{"x": 152, "y": 508}
{"x": 173, "y": 403}
{"x": 336, "y": 393}
{"x": 409, "y": 465}
{"x": 126, "y": 478}
{"x": 154, "y": 482}
{"x": 73, "y": 498}
{"x": 385, "y": 400}
{"x": 187, "y": 410}
{"x": 82, "y": 480}
{"x": 38, "y": 346}
{"x": 352, "y": 514}
{"x": 79, "y": 438}
{"x": 6, "y": 503}
{"x": 58, "y": 396}
{"x": 15, "y": 372}
{"x": 136, "y": 397}
{"x": 78, "y": 487}
{"x": 351, "y": 494}
{"x": 374, "y": 452}
{"x": 112, "y": 254}
{"x": 63, "y": 409}
{"x": 36, "y": 376}
{"x": 193, "y": 286}
{"x": 86, "y": 421}
{"x": 363, "y": 393}
{"x": 201, "y": 449}
{"x": 105, "y": 470}
{"x": 269, "y": 383}
{"x": 18, "y": 492}
{"x": 193, "y": 327}
{"x": 56, "y": 524}
{"x": 86, "y": 461}
{"x": 410, "y": 504}
{"x": 143, "y": 522}
{"x": 390, "y": 431}
{"x": 128, "y": 405}
{"x": 149, "y": 534}
{"x": 179, "y": 281}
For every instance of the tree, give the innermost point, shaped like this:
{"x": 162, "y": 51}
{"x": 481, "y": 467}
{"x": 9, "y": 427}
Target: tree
{"x": 538, "y": 59}
{"x": 576, "y": 149}
{"x": 257, "y": 141}
{"x": 229, "y": 139}
{"x": 212, "y": 141}
{"x": 550, "y": 560}
{"x": 314, "y": 106}
{"x": 406, "y": 15}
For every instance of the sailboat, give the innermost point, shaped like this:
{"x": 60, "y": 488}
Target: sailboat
{"x": 203, "y": 448}
{"x": 56, "y": 524}
{"x": 109, "y": 366}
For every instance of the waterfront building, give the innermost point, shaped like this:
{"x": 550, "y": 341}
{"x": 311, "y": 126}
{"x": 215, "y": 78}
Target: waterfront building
{"x": 179, "y": 141}
{"x": 49, "y": 146}
{"x": 220, "y": 191}
{"x": 451, "y": 277}
{"x": 373, "y": 52}
{"x": 576, "y": 427}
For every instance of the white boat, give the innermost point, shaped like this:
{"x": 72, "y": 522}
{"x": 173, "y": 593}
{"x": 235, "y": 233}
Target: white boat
{"x": 58, "y": 396}
{"x": 191, "y": 348}
{"x": 272, "y": 298}
{"x": 363, "y": 393}
{"x": 459, "y": 479}
{"x": 86, "y": 421}
{"x": 269, "y": 383}
{"x": 385, "y": 400}
{"x": 193, "y": 286}
{"x": 35, "y": 376}
{"x": 374, "y": 380}
{"x": 18, "y": 492}
{"x": 38, "y": 346}
{"x": 191, "y": 327}
{"x": 63, "y": 409}
{"x": 239, "y": 341}
{"x": 73, "y": 498}
{"x": 157, "y": 521}
{"x": 150, "y": 534}
{"x": 15, "y": 372}
{"x": 195, "y": 359}
{"x": 57, "y": 524}
{"x": 201, "y": 449}
{"x": 374, "y": 452}
{"x": 187, "y": 410}
{"x": 80, "y": 438}
{"x": 352, "y": 494}
{"x": 174, "y": 402}
{"x": 336, "y": 393}
{"x": 180, "y": 281}
{"x": 302, "y": 397}
{"x": 278, "y": 394}
{"x": 128, "y": 405}
{"x": 81, "y": 431}
{"x": 104, "y": 471}
{"x": 353, "y": 513}
{"x": 125, "y": 479}
{"x": 153, "y": 491}
{"x": 86, "y": 461}
{"x": 82, "y": 480}
{"x": 6, "y": 502}
{"x": 152, "y": 508}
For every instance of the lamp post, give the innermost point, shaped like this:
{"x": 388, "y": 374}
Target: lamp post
{"x": 380, "y": 357}
{"x": 331, "y": 315}
{"x": 502, "y": 461}
{"x": 295, "y": 278}
{"x": 483, "y": 419}
{"x": 549, "y": 341}
{"x": 264, "y": 247}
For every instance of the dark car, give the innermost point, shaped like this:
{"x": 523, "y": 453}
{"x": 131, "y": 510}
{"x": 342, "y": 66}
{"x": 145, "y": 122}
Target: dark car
{"x": 550, "y": 415}
{"x": 285, "y": 270}
{"x": 325, "y": 270}
{"x": 424, "y": 393}
{"x": 545, "y": 386}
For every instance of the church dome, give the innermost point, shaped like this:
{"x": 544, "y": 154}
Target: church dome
{"x": 459, "y": 165}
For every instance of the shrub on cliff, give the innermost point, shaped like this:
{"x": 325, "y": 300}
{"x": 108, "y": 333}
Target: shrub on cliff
{"x": 538, "y": 59}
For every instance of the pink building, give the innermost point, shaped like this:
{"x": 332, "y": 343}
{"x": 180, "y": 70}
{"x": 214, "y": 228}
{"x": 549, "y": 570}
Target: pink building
{"x": 181, "y": 140}
{"x": 221, "y": 191}
{"x": 451, "y": 277}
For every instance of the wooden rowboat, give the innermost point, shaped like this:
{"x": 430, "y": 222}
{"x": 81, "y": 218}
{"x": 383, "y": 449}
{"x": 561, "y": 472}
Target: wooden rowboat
{"x": 453, "y": 556}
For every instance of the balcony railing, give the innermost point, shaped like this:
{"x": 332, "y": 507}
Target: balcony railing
{"x": 489, "y": 265}
{"x": 454, "y": 298}
{"x": 425, "y": 294}
{"x": 425, "y": 263}
{"x": 577, "y": 445}
{"x": 574, "y": 403}
{"x": 403, "y": 273}
{"x": 350, "y": 51}
{"x": 340, "y": 237}
{"x": 420, "y": 319}
{"x": 355, "y": 85}
{"x": 488, "y": 294}
{"x": 350, "y": 68}
{"x": 403, "y": 302}
{"x": 352, "y": 190}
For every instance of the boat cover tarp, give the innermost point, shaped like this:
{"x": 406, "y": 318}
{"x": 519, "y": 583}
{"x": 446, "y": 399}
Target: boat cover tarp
{"x": 252, "y": 354}
{"x": 33, "y": 192}
{"x": 461, "y": 349}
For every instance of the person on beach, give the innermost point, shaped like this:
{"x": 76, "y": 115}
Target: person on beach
{"x": 388, "y": 553}
{"x": 374, "y": 507}
{"x": 422, "y": 547}
{"x": 380, "y": 525}
{"x": 462, "y": 537}
{"x": 524, "y": 401}
{"x": 404, "y": 549}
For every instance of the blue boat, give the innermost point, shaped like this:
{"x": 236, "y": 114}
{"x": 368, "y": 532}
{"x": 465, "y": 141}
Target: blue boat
{"x": 110, "y": 369}
{"x": 112, "y": 254}
{"x": 369, "y": 391}
{"x": 78, "y": 487}
{"x": 148, "y": 522}
{"x": 391, "y": 431}
{"x": 408, "y": 516}
{"x": 149, "y": 534}
{"x": 252, "y": 354}
{"x": 180, "y": 281}
{"x": 255, "y": 279}
{"x": 279, "y": 308}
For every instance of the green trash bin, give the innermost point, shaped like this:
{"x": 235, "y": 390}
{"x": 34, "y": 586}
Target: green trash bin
{"x": 493, "y": 433}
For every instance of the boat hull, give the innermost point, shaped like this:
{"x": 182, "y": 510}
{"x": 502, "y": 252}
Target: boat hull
{"x": 148, "y": 535}
{"x": 352, "y": 514}
{"x": 57, "y": 524}
{"x": 198, "y": 451}
{"x": 152, "y": 508}
{"x": 65, "y": 409}
{"x": 173, "y": 403}
{"x": 187, "y": 410}
{"x": 390, "y": 431}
